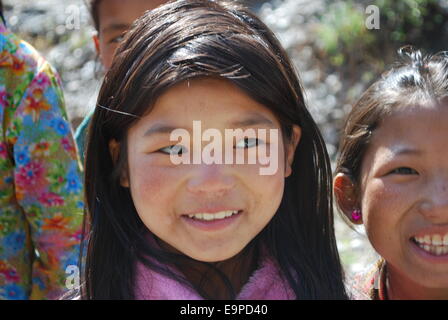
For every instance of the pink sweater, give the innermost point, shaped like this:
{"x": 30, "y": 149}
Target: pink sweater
{"x": 265, "y": 283}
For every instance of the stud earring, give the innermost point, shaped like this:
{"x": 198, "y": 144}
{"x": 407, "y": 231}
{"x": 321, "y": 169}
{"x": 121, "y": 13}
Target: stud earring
{"x": 356, "y": 215}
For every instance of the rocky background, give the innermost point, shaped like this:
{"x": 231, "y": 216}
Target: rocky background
{"x": 336, "y": 51}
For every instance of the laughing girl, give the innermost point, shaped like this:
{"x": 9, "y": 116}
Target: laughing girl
{"x": 392, "y": 176}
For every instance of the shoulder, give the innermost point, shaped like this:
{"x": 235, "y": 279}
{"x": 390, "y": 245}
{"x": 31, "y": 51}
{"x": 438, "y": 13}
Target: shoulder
{"x": 20, "y": 62}
{"x": 16, "y": 52}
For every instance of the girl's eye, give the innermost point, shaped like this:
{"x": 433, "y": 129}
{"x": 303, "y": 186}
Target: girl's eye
{"x": 404, "y": 171}
{"x": 174, "y": 150}
{"x": 248, "y": 143}
{"x": 117, "y": 39}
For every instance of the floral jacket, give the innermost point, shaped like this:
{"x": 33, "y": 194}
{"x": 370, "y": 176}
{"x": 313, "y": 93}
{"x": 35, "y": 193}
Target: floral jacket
{"x": 41, "y": 192}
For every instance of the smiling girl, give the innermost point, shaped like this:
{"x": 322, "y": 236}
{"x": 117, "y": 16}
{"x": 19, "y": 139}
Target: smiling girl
{"x": 392, "y": 175}
{"x": 206, "y": 231}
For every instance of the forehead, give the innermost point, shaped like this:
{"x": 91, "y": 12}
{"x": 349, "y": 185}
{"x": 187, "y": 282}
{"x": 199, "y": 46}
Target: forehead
{"x": 123, "y": 12}
{"x": 206, "y": 93}
{"x": 213, "y": 101}
{"x": 412, "y": 126}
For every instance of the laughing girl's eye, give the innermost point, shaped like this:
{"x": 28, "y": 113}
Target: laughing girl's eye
{"x": 174, "y": 149}
{"x": 248, "y": 143}
{"x": 404, "y": 171}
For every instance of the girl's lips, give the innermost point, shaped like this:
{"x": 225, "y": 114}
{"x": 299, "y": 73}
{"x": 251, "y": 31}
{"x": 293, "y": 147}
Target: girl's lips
{"x": 212, "y": 225}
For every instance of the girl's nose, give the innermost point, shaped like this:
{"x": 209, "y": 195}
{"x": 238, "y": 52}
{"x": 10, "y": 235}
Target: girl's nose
{"x": 435, "y": 205}
{"x": 210, "y": 179}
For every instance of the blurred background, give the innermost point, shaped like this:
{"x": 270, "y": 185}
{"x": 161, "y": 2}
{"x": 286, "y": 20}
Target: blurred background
{"x": 338, "y": 47}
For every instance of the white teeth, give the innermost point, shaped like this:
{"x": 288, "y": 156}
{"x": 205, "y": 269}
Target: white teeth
{"x": 220, "y": 215}
{"x": 435, "y": 244}
{"x": 231, "y": 213}
{"x": 445, "y": 240}
{"x": 213, "y": 216}
{"x": 436, "y": 240}
{"x": 208, "y": 216}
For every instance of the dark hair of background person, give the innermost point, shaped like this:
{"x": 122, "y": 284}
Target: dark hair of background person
{"x": 415, "y": 79}
{"x": 93, "y": 5}
{"x": 226, "y": 41}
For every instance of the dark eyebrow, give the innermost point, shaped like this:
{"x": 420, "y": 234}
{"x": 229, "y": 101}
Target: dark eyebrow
{"x": 402, "y": 151}
{"x": 254, "y": 119}
{"x": 160, "y": 129}
{"x": 116, "y": 27}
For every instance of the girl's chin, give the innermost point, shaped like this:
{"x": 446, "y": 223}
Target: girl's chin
{"x": 213, "y": 257}
{"x": 218, "y": 253}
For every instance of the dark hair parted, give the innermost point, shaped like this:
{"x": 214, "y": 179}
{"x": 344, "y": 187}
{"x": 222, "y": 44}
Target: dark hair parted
{"x": 415, "y": 79}
{"x": 183, "y": 40}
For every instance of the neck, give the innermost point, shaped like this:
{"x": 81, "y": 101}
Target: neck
{"x": 237, "y": 270}
{"x": 401, "y": 287}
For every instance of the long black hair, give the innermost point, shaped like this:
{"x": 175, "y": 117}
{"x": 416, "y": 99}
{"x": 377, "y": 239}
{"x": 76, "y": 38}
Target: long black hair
{"x": 200, "y": 38}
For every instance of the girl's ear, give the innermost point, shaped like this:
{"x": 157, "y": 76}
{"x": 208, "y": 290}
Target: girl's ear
{"x": 291, "y": 149}
{"x": 96, "y": 42}
{"x": 114, "y": 149}
{"x": 345, "y": 193}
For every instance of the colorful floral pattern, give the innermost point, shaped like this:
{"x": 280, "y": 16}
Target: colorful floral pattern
{"x": 369, "y": 284}
{"x": 41, "y": 204}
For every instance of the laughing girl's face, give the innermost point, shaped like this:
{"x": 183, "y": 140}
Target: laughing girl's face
{"x": 209, "y": 212}
{"x": 404, "y": 195}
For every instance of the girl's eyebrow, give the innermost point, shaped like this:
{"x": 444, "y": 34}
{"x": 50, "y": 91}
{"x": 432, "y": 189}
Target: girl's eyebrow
{"x": 115, "y": 27}
{"x": 404, "y": 150}
{"x": 251, "y": 120}
{"x": 160, "y": 128}
{"x": 254, "y": 119}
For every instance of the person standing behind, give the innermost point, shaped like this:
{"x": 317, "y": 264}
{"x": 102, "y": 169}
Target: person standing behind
{"x": 41, "y": 191}
{"x": 111, "y": 18}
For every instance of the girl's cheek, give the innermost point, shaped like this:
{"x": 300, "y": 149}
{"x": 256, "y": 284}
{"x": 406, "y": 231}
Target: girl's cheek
{"x": 151, "y": 183}
{"x": 267, "y": 188}
{"x": 383, "y": 207}
{"x": 375, "y": 197}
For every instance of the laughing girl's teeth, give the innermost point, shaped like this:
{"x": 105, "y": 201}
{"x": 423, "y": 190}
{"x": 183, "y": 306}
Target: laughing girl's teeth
{"x": 435, "y": 244}
{"x": 213, "y": 216}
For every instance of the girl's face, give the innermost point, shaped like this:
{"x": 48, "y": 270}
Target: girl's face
{"x": 404, "y": 194}
{"x": 166, "y": 195}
